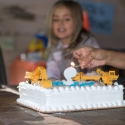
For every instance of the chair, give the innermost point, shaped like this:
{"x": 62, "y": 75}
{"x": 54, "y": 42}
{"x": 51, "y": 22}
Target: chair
{"x": 3, "y": 78}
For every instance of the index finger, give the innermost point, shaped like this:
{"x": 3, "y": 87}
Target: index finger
{"x": 77, "y": 53}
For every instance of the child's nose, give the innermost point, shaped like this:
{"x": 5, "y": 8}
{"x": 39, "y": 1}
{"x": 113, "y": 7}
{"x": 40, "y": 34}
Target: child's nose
{"x": 61, "y": 22}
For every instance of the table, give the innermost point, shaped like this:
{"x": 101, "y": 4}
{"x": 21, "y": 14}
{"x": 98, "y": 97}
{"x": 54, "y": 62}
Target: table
{"x": 14, "y": 114}
{"x": 18, "y": 69}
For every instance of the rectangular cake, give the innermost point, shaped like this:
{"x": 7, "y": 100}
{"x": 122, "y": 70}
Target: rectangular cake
{"x": 70, "y": 98}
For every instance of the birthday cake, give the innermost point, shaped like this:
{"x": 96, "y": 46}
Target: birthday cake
{"x": 78, "y": 92}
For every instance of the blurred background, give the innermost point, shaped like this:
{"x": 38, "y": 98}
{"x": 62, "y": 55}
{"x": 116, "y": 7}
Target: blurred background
{"x": 23, "y": 31}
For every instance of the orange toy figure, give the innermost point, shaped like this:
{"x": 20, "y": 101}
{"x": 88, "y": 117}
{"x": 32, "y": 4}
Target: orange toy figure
{"x": 106, "y": 77}
{"x": 81, "y": 77}
{"x": 39, "y": 75}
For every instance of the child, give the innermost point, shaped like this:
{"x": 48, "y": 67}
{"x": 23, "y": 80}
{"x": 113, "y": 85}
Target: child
{"x": 65, "y": 33}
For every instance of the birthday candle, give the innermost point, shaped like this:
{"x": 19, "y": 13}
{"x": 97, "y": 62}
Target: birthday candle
{"x": 69, "y": 73}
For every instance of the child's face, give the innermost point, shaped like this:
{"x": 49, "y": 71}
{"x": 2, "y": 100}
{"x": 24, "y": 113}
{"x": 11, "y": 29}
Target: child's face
{"x": 63, "y": 25}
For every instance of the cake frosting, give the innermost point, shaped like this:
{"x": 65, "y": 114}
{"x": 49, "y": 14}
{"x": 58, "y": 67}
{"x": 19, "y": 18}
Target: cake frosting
{"x": 70, "y": 98}
{"x": 61, "y": 96}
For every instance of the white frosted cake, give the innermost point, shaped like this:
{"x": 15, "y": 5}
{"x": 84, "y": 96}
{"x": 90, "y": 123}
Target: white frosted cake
{"x": 73, "y": 97}
{"x": 64, "y": 99}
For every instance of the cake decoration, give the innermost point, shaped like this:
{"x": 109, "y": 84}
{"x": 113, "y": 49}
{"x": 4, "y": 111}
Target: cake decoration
{"x": 68, "y": 74}
{"x": 78, "y": 92}
{"x": 38, "y": 76}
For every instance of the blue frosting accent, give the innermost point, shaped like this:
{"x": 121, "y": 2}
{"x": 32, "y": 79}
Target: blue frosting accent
{"x": 89, "y": 83}
{"x": 58, "y": 83}
{"x": 76, "y": 83}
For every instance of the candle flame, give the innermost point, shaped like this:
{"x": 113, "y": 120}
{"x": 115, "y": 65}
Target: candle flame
{"x": 72, "y": 64}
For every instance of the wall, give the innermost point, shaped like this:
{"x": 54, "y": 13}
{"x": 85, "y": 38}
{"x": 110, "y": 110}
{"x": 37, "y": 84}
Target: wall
{"x": 116, "y": 39}
{"x": 23, "y": 30}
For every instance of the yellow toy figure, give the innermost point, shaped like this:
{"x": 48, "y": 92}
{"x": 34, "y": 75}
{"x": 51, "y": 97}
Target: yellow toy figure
{"x": 37, "y": 47}
{"x": 107, "y": 77}
{"x": 39, "y": 75}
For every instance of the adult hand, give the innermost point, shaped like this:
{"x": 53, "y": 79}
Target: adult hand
{"x": 90, "y": 57}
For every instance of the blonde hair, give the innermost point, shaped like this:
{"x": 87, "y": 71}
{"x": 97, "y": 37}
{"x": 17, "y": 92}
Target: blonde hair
{"x": 77, "y": 15}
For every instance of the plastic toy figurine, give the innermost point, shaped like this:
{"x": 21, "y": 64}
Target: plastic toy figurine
{"x": 106, "y": 77}
{"x": 40, "y": 76}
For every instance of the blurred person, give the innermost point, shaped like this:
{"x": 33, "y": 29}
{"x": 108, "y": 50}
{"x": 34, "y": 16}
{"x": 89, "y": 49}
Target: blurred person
{"x": 65, "y": 34}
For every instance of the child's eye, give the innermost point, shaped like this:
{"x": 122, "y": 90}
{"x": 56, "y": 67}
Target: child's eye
{"x": 55, "y": 20}
{"x": 67, "y": 19}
